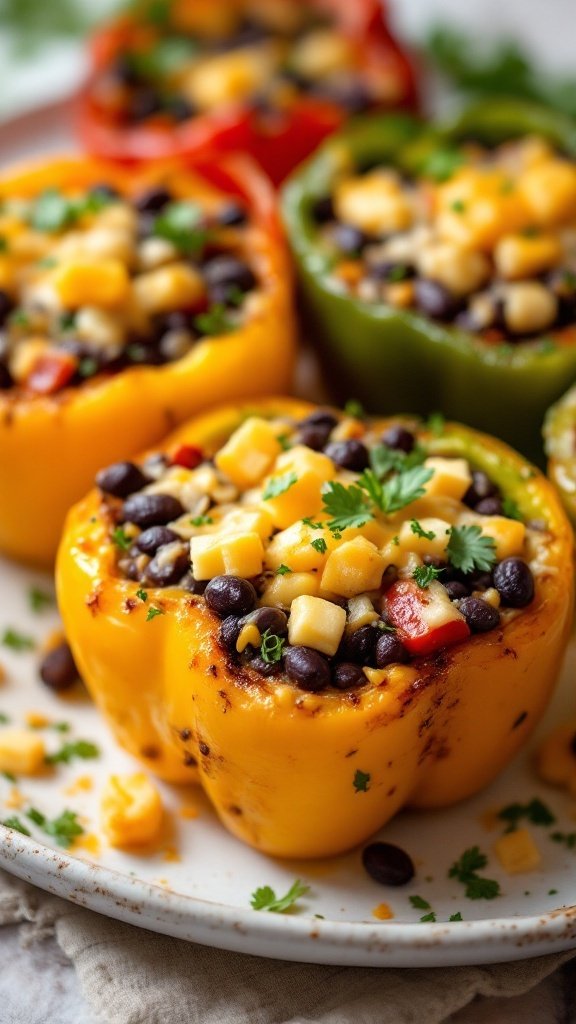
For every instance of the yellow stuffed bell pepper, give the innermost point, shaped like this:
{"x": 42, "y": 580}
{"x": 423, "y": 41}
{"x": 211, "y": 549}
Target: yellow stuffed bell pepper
{"x": 322, "y": 619}
{"x": 129, "y": 300}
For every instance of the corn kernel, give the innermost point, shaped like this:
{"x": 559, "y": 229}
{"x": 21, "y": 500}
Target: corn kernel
{"x": 354, "y": 567}
{"x": 131, "y": 810}
{"x": 168, "y": 288}
{"x": 320, "y": 53}
{"x": 316, "y": 623}
{"x": 249, "y": 635}
{"x": 517, "y": 852}
{"x": 374, "y": 202}
{"x": 21, "y": 752}
{"x": 460, "y": 270}
{"x": 361, "y": 612}
{"x": 249, "y": 453}
{"x": 228, "y": 77}
{"x": 91, "y": 283}
{"x": 549, "y": 190}
{"x": 521, "y": 256}
{"x": 529, "y": 306}
{"x": 376, "y": 676}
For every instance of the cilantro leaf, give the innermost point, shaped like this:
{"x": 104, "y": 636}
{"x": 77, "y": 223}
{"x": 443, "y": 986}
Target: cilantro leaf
{"x": 15, "y": 824}
{"x": 64, "y": 829}
{"x": 383, "y": 459}
{"x": 279, "y": 485}
{"x": 440, "y": 164}
{"x": 424, "y": 575}
{"x": 202, "y": 521}
{"x": 404, "y": 488}
{"x": 568, "y": 839}
{"x": 419, "y": 532}
{"x": 283, "y": 570}
{"x": 121, "y": 538}
{"x": 362, "y": 781}
{"x": 17, "y": 641}
{"x": 39, "y": 599}
{"x": 469, "y": 549}
{"x": 471, "y": 860}
{"x": 165, "y": 57}
{"x": 319, "y": 545}
{"x": 510, "y": 509}
{"x": 455, "y": 917}
{"x": 141, "y": 594}
{"x": 431, "y": 917}
{"x": 83, "y": 749}
{"x": 272, "y": 647}
{"x": 346, "y": 506}
{"x": 52, "y": 211}
{"x": 182, "y": 223}
{"x": 419, "y": 903}
{"x": 153, "y": 612}
{"x": 214, "y": 321}
{"x": 436, "y": 423}
{"x": 265, "y": 898}
{"x": 478, "y": 888}
{"x": 465, "y": 871}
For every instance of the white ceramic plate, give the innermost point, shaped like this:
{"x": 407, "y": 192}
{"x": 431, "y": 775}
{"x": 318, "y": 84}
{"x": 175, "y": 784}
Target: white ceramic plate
{"x": 197, "y": 885}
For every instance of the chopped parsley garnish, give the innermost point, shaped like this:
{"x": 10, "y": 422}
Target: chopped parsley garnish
{"x": 36, "y": 816}
{"x": 9, "y": 776}
{"x": 455, "y": 917}
{"x": 182, "y": 223}
{"x": 17, "y": 641}
{"x": 121, "y": 538}
{"x": 419, "y": 903}
{"x": 353, "y": 506}
{"x": 165, "y": 57}
{"x": 214, "y": 321}
{"x": 567, "y": 839}
{"x": 354, "y": 408}
{"x": 283, "y": 570}
{"x": 399, "y": 490}
{"x": 440, "y": 164}
{"x": 52, "y": 211}
{"x": 424, "y": 575}
{"x": 271, "y": 647}
{"x": 64, "y": 829}
{"x": 202, "y": 521}
{"x": 153, "y": 612}
{"x": 82, "y": 749}
{"x": 142, "y": 594}
{"x": 465, "y": 870}
{"x": 428, "y": 918}
{"x": 510, "y": 509}
{"x": 458, "y": 206}
{"x": 61, "y": 726}
{"x": 320, "y": 545}
{"x": 313, "y": 526}
{"x": 67, "y": 321}
{"x": 4, "y": 719}
{"x": 279, "y": 485}
{"x": 535, "y": 812}
{"x": 398, "y": 273}
{"x": 19, "y": 318}
{"x": 362, "y": 781}
{"x": 469, "y": 549}
{"x": 39, "y": 599}
{"x": 419, "y": 532}
{"x": 265, "y": 898}
{"x": 284, "y": 442}
{"x": 87, "y": 367}
{"x": 17, "y": 825}
{"x": 383, "y": 460}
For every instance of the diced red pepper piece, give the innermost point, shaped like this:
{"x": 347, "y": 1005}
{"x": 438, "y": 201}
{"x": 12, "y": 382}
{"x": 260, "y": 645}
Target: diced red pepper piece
{"x": 188, "y": 456}
{"x": 425, "y": 618}
{"x": 51, "y": 372}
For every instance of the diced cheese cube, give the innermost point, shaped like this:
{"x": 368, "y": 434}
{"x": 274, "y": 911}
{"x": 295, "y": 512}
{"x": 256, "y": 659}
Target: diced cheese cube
{"x": 91, "y": 283}
{"x": 228, "y": 77}
{"x": 249, "y": 453}
{"x": 320, "y": 53}
{"x": 354, "y": 567}
{"x": 131, "y": 810}
{"x": 361, "y": 612}
{"x": 460, "y": 270}
{"x": 452, "y": 477}
{"x": 316, "y": 623}
{"x": 434, "y": 545}
{"x": 373, "y": 202}
{"x": 519, "y": 256}
{"x": 549, "y": 190}
{"x": 376, "y": 676}
{"x": 167, "y": 288}
{"x": 238, "y": 554}
{"x": 303, "y": 498}
{"x": 293, "y": 547}
{"x": 475, "y": 208}
{"x": 281, "y": 591}
{"x": 21, "y": 752}
{"x": 25, "y": 355}
{"x": 508, "y": 534}
{"x": 251, "y": 519}
{"x": 517, "y": 852}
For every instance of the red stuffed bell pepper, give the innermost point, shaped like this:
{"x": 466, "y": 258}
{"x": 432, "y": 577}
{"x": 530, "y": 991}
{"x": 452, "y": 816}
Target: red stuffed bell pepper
{"x": 273, "y": 77}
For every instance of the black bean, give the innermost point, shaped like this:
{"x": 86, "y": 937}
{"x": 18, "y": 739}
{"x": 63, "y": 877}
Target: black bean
{"x": 272, "y": 619}
{"x": 399, "y": 439}
{"x": 386, "y": 270}
{"x": 360, "y": 646}
{"x": 479, "y": 615}
{"x": 478, "y": 580}
{"x": 320, "y": 417}
{"x": 192, "y": 585}
{"x": 514, "y": 582}
{"x": 125, "y": 70}
{"x": 179, "y": 108}
{"x": 314, "y": 435}
{"x": 323, "y": 210}
{"x": 353, "y": 96}
{"x": 104, "y": 191}
{"x": 152, "y": 200}
{"x": 390, "y": 650}
{"x": 307, "y": 668}
{"x": 387, "y": 864}
{"x": 151, "y": 509}
{"x": 145, "y": 103}
{"x": 456, "y": 589}
{"x": 177, "y": 320}
{"x": 347, "y": 676}
{"x": 5, "y": 377}
{"x": 229, "y": 632}
{"x": 228, "y": 271}
{"x": 121, "y": 479}
{"x": 230, "y": 595}
{"x": 350, "y": 454}
{"x": 160, "y": 574}
{"x": 434, "y": 300}
{"x": 150, "y": 540}
{"x": 6, "y": 306}
{"x": 265, "y": 668}
{"x": 348, "y": 239}
{"x": 489, "y": 506}
{"x": 231, "y": 215}
{"x": 58, "y": 670}
{"x": 480, "y": 488}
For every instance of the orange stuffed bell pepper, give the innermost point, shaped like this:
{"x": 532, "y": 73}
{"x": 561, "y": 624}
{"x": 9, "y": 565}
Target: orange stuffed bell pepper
{"x": 128, "y": 301}
{"x": 324, "y": 620}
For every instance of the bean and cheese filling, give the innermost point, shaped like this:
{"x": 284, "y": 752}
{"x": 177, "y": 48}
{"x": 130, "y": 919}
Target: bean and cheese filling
{"x": 262, "y": 53}
{"x": 482, "y": 239}
{"x": 93, "y": 282}
{"x": 330, "y": 551}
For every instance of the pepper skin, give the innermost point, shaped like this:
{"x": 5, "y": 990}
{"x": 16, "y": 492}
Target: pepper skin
{"x": 278, "y": 140}
{"x": 52, "y": 445}
{"x": 279, "y": 764}
{"x": 392, "y": 359}
{"x": 560, "y": 444}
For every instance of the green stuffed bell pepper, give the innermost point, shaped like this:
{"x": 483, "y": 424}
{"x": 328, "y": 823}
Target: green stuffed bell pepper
{"x": 438, "y": 264}
{"x": 560, "y": 445}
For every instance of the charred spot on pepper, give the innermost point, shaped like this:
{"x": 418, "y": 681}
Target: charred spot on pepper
{"x": 185, "y": 734}
{"x": 189, "y": 760}
{"x": 235, "y": 810}
{"x": 93, "y": 602}
{"x": 204, "y": 749}
{"x": 150, "y": 753}
{"x": 520, "y": 720}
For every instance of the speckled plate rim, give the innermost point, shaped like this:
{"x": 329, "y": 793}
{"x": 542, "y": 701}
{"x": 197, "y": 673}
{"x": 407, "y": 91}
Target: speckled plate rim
{"x": 295, "y": 937}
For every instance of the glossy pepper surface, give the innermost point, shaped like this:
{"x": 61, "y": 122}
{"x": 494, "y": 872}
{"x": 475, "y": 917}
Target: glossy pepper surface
{"x": 398, "y": 359}
{"x": 303, "y": 774}
{"x": 279, "y": 139}
{"x": 560, "y": 444}
{"x": 51, "y": 445}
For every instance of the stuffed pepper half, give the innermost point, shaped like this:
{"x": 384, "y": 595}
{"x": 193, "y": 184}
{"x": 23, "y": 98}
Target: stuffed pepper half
{"x": 323, "y": 619}
{"x": 560, "y": 444}
{"x": 273, "y": 77}
{"x": 439, "y": 264}
{"x": 127, "y": 302}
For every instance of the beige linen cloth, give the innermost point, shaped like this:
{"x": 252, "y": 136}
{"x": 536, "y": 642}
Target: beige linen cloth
{"x": 132, "y": 976}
